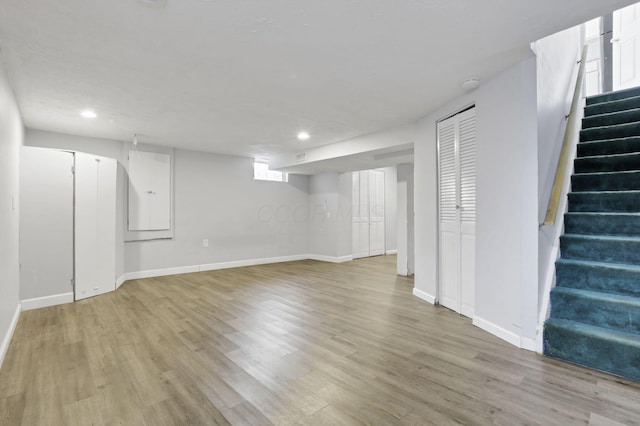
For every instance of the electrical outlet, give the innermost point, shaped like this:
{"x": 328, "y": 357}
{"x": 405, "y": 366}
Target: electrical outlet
{"x": 205, "y": 243}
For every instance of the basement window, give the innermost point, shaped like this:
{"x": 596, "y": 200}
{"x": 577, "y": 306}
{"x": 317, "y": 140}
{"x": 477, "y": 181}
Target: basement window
{"x": 261, "y": 172}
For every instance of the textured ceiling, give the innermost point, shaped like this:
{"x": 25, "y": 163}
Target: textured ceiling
{"x": 244, "y": 76}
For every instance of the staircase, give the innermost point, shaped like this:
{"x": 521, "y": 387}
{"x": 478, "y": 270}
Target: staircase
{"x": 595, "y": 306}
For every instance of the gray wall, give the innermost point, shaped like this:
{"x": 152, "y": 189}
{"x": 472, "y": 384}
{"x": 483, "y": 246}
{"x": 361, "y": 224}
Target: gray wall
{"x": 11, "y": 138}
{"x": 327, "y": 215}
{"x": 217, "y": 199}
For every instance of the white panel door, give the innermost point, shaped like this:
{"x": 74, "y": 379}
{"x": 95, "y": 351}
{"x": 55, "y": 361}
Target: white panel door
{"x": 95, "y": 225}
{"x": 457, "y": 208}
{"x": 358, "y": 223}
{"x": 376, "y": 212}
{"x": 626, "y": 47}
{"x": 46, "y": 222}
{"x": 368, "y": 213}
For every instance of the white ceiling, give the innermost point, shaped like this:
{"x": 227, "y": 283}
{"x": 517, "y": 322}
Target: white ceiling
{"x": 244, "y": 76}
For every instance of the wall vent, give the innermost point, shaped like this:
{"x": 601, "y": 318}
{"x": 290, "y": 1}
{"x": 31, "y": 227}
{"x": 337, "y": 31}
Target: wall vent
{"x": 301, "y": 157}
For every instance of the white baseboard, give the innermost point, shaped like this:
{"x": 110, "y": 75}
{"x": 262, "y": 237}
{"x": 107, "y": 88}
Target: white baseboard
{"x": 46, "y": 301}
{"x": 498, "y": 331}
{"x": 121, "y": 279}
{"x": 424, "y": 296}
{"x": 529, "y": 344}
{"x": 389, "y": 252}
{"x": 151, "y": 273}
{"x": 6, "y": 341}
{"x": 330, "y": 259}
{"x": 250, "y": 262}
{"x": 226, "y": 265}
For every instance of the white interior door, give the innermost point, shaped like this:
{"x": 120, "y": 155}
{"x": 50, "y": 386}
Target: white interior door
{"x": 46, "y": 222}
{"x": 626, "y": 47}
{"x": 467, "y": 170}
{"x": 457, "y": 201}
{"x": 360, "y": 213}
{"x": 95, "y": 225}
{"x": 368, "y": 213}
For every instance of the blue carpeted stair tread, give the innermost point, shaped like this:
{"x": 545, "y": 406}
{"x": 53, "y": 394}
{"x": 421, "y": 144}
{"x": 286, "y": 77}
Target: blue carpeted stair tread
{"x": 620, "y": 312}
{"x": 613, "y": 96}
{"x": 610, "y": 132}
{"x": 612, "y": 223}
{"x": 628, "y": 180}
{"x": 608, "y": 163}
{"x": 609, "y": 147}
{"x": 612, "y": 238}
{"x": 613, "y": 249}
{"x": 605, "y": 201}
{"x": 611, "y": 118}
{"x": 598, "y": 276}
{"x": 596, "y": 347}
{"x": 595, "y": 305}
{"x": 612, "y": 106}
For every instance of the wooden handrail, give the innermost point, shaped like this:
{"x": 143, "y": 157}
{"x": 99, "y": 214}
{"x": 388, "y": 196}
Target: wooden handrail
{"x": 569, "y": 137}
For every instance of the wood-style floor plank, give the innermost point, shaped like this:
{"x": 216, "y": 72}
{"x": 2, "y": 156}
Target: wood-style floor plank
{"x": 299, "y": 343}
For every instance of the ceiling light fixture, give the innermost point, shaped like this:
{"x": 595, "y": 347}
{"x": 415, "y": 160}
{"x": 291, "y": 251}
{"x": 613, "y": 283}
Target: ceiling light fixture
{"x": 153, "y": 3}
{"x": 470, "y": 84}
{"x": 88, "y": 113}
{"x": 303, "y": 136}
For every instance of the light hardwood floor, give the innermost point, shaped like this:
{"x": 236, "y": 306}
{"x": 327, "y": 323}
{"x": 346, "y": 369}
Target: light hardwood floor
{"x": 305, "y": 343}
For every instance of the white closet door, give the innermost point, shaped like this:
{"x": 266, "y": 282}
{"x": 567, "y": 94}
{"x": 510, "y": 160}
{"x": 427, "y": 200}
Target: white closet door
{"x": 360, "y": 215}
{"x": 95, "y": 225}
{"x": 46, "y": 222}
{"x": 376, "y": 212}
{"x": 626, "y": 47}
{"x": 457, "y": 200}
{"x": 449, "y": 218}
{"x": 467, "y": 168}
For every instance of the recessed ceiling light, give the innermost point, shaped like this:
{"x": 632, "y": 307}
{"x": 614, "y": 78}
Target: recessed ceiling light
{"x": 303, "y": 136}
{"x": 88, "y": 113}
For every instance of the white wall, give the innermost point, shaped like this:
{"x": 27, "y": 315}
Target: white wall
{"x": 506, "y": 227}
{"x": 11, "y": 138}
{"x": 330, "y": 215}
{"x": 405, "y": 221}
{"x": 557, "y": 69}
{"x": 390, "y": 208}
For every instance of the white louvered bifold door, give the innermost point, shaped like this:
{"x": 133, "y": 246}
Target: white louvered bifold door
{"x": 457, "y": 203}
{"x": 467, "y": 166}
